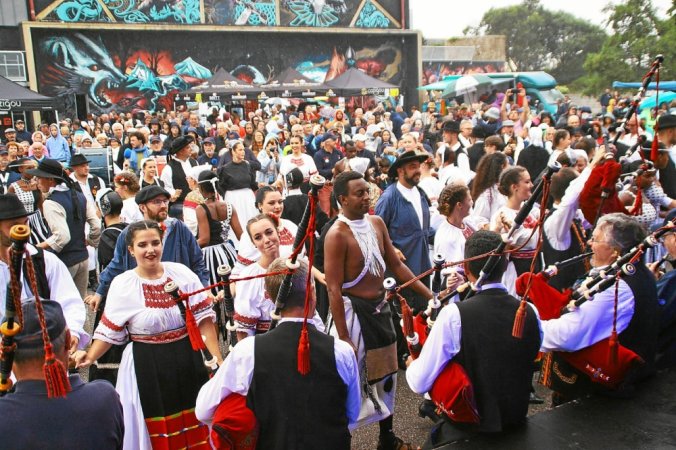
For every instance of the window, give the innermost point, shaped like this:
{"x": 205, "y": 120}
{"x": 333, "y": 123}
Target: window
{"x": 12, "y": 66}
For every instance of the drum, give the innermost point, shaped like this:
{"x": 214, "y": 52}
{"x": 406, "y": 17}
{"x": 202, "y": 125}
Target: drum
{"x": 101, "y": 163}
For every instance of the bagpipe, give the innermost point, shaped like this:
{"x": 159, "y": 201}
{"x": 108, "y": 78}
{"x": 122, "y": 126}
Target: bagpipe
{"x": 56, "y": 376}
{"x": 606, "y": 362}
{"x": 234, "y": 424}
{"x": 452, "y": 391}
{"x": 600, "y": 193}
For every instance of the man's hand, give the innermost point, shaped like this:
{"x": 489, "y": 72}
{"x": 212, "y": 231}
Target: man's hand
{"x": 81, "y": 360}
{"x": 409, "y": 360}
{"x": 454, "y": 280}
{"x": 93, "y": 301}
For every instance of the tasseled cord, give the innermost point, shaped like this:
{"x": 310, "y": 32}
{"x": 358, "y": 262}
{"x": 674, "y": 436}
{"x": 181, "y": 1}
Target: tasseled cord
{"x": 196, "y": 341}
{"x": 56, "y": 376}
{"x": 304, "y": 341}
{"x": 638, "y": 203}
{"x": 654, "y": 149}
{"x": 520, "y": 317}
{"x": 613, "y": 342}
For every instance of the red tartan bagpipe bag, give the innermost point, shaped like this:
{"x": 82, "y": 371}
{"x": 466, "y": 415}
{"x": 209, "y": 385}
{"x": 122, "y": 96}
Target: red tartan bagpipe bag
{"x": 593, "y": 361}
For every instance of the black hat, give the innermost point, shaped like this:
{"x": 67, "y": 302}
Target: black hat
{"x": 21, "y": 162}
{"x": 450, "y": 126}
{"x": 179, "y": 143}
{"x": 11, "y": 207}
{"x": 666, "y": 121}
{"x": 78, "y": 159}
{"x": 149, "y": 193}
{"x": 407, "y": 157}
{"x": 30, "y": 336}
{"x": 18, "y": 121}
{"x": 154, "y": 138}
{"x": 294, "y": 177}
{"x": 209, "y": 140}
{"x": 48, "y": 168}
{"x": 479, "y": 132}
{"x": 670, "y": 217}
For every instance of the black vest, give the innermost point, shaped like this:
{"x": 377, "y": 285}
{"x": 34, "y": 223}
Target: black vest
{"x": 668, "y": 179}
{"x": 641, "y": 334}
{"x": 567, "y": 276}
{"x": 75, "y": 251}
{"x": 178, "y": 177}
{"x": 297, "y": 412}
{"x": 499, "y": 365}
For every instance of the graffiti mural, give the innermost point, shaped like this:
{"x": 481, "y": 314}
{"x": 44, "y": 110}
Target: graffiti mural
{"x": 126, "y": 70}
{"x": 127, "y": 11}
{"x": 241, "y": 12}
{"x": 372, "y": 17}
{"x": 436, "y": 71}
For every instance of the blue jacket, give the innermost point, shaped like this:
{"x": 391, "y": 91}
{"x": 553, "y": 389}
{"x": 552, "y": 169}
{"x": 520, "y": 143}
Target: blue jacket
{"x": 58, "y": 148}
{"x": 403, "y": 225}
{"x": 180, "y": 246}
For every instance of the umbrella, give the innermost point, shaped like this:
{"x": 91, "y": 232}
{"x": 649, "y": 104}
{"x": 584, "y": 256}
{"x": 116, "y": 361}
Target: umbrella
{"x": 664, "y": 97}
{"x": 436, "y": 86}
{"x": 278, "y": 101}
{"x": 466, "y": 85}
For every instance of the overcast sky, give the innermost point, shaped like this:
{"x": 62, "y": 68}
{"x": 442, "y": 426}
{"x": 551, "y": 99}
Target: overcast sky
{"x": 438, "y": 19}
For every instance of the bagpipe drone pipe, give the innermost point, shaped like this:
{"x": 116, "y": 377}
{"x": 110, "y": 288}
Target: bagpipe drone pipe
{"x": 600, "y": 194}
{"x": 606, "y": 362}
{"x": 54, "y": 371}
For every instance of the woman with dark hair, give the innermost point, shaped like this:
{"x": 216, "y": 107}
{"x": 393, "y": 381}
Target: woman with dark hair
{"x": 248, "y": 137}
{"x": 160, "y": 374}
{"x": 236, "y": 181}
{"x": 455, "y": 204}
{"x": 487, "y": 198}
{"x": 149, "y": 171}
{"x": 215, "y": 219}
{"x": 174, "y": 132}
{"x": 27, "y": 190}
{"x": 516, "y": 185}
{"x": 388, "y": 144}
{"x": 268, "y": 201}
{"x": 560, "y": 144}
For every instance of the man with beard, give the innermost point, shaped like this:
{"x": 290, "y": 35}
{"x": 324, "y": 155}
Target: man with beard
{"x": 179, "y": 244}
{"x": 21, "y": 133}
{"x": 405, "y": 209}
{"x": 360, "y": 315}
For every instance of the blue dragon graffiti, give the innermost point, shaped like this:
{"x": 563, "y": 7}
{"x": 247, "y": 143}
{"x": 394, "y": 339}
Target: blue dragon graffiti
{"x": 78, "y": 64}
{"x": 371, "y": 17}
{"x": 130, "y": 11}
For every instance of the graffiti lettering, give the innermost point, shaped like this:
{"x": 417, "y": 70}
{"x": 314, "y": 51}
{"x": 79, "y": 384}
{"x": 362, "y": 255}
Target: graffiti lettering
{"x": 6, "y": 105}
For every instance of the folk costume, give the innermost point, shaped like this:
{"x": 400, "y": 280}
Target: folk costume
{"x": 564, "y": 234}
{"x": 247, "y": 253}
{"x": 370, "y": 327}
{"x": 220, "y": 249}
{"x": 160, "y": 375}
{"x": 296, "y": 411}
{"x": 519, "y": 261}
{"x": 477, "y": 334}
{"x": 637, "y": 325}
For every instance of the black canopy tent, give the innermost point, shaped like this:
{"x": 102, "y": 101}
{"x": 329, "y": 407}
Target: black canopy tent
{"x": 221, "y": 87}
{"x": 14, "y": 97}
{"x": 293, "y": 84}
{"x": 354, "y": 82}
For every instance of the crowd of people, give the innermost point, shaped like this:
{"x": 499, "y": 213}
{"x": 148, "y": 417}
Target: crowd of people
{"x": 188, "y": 195}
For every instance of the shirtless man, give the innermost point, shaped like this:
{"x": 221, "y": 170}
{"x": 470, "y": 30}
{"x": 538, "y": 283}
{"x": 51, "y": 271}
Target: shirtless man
{"x": 357, "y": 251}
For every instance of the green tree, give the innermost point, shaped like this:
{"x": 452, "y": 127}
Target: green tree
{"x": 539, "y": 39}
{"x": 638, "y": 35}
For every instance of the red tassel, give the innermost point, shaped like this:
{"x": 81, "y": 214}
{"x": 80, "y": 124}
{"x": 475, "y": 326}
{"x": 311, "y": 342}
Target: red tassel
{"x": 638, "y": 204}
{"x": 655, "y": 148}
{"x": 407, "y": 317}
{"x": 613, "y": 346}
{"x": 56, "y": 376}
{"x": 194, "y": 334}
{"x": 304, "y": 352}
{"x": 519, "y": 320}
